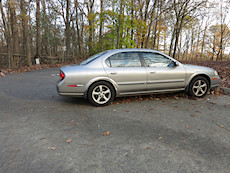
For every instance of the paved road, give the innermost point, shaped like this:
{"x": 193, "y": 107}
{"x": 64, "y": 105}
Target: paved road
{"x": 176, "y": 135}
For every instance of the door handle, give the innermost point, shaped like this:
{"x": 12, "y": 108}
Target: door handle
{"x": 113, "y": 73}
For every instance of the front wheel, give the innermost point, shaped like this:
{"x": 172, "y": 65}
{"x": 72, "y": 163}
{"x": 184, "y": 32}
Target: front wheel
{"x": 101, "y": 94}
{"x": 198, "y": 87}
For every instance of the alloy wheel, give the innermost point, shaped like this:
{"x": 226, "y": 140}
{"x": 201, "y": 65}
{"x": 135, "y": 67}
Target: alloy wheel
{"x": 199, "y": 87}
{"x": 101, "y": 94}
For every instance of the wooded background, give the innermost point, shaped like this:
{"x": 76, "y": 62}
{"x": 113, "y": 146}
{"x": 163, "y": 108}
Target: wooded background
{"x": 70, "y": 30}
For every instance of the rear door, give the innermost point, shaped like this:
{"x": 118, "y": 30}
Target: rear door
{"x": 127, "y": 71}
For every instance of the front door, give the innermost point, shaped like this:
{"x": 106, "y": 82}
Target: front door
{"x": 162, "y": 73}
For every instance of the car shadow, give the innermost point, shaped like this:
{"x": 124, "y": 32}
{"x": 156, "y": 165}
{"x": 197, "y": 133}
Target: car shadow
{"x": 73, "y": 100}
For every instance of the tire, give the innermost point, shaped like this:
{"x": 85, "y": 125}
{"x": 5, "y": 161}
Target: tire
{"x": 198, "y": 87}
{"x": 101, "y": 94}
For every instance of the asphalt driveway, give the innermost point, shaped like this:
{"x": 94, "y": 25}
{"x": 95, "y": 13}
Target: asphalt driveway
{"x": 41, "y": 131}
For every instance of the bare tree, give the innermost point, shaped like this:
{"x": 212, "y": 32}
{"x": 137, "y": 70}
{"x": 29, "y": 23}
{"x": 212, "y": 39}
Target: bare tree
{"x": 38, "y": 29}
{"x": 119, "y": 25}
{"x": 26, "y": 33}
{"x": 15, "y": 33}
{"x": 7, "y": 35}
{"x": 79, "y": 42}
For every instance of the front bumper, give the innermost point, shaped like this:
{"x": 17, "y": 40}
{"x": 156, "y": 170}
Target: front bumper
{"x": 215, "y": 81}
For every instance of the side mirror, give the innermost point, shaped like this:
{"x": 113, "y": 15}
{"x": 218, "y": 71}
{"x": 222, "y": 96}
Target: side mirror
{"x": 176, "y": 63}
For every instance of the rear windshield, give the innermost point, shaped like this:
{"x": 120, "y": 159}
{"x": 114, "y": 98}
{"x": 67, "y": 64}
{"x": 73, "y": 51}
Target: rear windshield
{"x": 92, "y": 58}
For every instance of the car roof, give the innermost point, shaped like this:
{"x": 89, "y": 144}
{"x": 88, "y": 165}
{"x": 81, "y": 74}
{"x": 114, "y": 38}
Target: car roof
{"x": 113, "y": 51}
{"x": 132, "y": 49}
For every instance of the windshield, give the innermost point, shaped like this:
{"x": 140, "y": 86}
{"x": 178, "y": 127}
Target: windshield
{"x": 92, "y": 58}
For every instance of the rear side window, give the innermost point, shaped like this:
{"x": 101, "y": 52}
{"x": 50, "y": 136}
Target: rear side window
{"x": 125, "y": 59}
{"x": 92, "y": 58}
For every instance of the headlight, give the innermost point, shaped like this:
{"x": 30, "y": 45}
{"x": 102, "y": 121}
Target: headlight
{"x": 215, "y": 73}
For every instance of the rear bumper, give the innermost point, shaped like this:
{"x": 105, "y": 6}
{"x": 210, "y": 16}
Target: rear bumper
{"x": 72, "y": 94}
{"x": 63, "y": 90}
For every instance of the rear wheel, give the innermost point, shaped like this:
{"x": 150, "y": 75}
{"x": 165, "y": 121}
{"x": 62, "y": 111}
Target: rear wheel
{"x": 198, "y": 87}
{"x": 101, "y": 94}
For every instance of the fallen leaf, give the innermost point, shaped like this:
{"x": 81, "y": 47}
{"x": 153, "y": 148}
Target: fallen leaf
{"x": 70, "y": 124}
{"x": 69, "y": 140}
{"x": 193, "y": 116}
{"x": 219, "y": 118}
{"x": 221, "y": 126}
{"x": 160, "y": 138}
{"x": 52, "y": 147}
{"x": 188, "y": 127}
{"x": 148, "y": 148}
{"x": 106, "y": 133}
{"x": 76, "y": 132}
{"x": 85, "y": 117}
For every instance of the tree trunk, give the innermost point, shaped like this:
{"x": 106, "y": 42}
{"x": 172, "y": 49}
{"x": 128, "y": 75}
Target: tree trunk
{"x": 191, "y": 48}
{"x": 119, "y": 25}
{"x": 91, "y": 27}
{"x": 203, "y": 41}
{"x": 7, "y": 36}
{"x": 38, "y": 29}
{"x": 172, "y": 40}
{"x": 150, "y": 24}
{"x": 221, "y": 42}
{"x": 155, "y": 32}
{"x": 26, "y": 34}
{"x": 214, "y": 47}
{"x": 178, "y": 29}
{"x": 67, "y": 30}
{"x": 132, "y": 11}
{"x": 15, "y": 34}
{"x": 144, "y": 31}
{"x": 78, "y": 31}
{"x": 101, "y": 25}
{"x": 45, "y": 40}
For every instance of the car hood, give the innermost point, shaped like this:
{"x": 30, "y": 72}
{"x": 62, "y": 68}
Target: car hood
{"x": 190, "y": 67}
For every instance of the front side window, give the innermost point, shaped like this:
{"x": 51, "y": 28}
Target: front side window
{"x": 156, "y": 60}
{"x": 125, "y": 59}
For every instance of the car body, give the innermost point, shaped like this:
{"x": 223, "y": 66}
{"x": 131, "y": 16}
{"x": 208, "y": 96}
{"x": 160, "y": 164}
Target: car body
{"x": 123, "y": 72}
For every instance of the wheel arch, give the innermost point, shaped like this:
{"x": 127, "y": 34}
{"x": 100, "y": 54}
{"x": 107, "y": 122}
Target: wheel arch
{"x": 90, "y": 83}
{"x": 197, "y": 75}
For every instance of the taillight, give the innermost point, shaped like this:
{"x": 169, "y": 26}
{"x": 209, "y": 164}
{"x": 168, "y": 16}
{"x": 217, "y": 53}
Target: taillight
{"x": 62, "y": 75}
